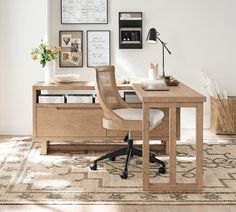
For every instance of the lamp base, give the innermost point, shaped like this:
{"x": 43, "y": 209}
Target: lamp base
{"x": 166, "y": 77}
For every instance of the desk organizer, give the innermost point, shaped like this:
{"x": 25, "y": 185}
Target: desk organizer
{"x": 223, "y": 116}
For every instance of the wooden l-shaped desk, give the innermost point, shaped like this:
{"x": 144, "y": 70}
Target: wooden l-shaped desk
{"x": 65, "y": 121}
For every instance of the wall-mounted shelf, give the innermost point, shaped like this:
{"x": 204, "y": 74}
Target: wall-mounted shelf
{"x": 130, "y": 30}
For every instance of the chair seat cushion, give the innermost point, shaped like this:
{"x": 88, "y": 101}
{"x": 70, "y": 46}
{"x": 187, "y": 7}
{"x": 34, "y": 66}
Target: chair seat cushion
{"x": 155, "y": 115}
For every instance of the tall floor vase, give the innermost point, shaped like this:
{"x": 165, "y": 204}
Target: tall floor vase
{"x": 49, "y": 72}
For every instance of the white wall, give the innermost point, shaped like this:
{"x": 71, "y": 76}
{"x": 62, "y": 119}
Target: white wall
{"x": 201, "y": 35}
{"x": 22, "y": 24}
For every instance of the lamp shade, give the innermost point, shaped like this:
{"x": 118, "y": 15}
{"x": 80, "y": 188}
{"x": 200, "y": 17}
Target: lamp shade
{"x": 152, "y": 36}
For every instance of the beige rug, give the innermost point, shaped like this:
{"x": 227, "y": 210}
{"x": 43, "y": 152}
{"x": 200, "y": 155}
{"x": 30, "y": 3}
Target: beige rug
{"x": 26, "y": 177}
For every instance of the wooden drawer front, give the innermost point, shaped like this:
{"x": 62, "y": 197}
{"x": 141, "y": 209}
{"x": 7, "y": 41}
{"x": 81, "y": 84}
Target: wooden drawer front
{"x": 69, "y": 122}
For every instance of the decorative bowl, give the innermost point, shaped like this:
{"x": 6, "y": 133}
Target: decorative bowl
{"x": 67, "y": 78}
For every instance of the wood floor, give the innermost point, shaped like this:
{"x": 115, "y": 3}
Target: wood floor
{"x": 119, "y": 208}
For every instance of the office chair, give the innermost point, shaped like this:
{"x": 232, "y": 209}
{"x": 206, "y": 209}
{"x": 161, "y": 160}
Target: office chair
{"x": 118, "y": 115}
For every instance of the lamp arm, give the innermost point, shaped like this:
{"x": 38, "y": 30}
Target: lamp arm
{"x": 164, "y": 44}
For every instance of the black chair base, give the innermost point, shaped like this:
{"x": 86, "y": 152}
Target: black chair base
{"x": 129, "y": 151}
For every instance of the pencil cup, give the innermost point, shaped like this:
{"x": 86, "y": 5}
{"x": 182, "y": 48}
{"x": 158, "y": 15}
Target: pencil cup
{"x": 152, "y": 74}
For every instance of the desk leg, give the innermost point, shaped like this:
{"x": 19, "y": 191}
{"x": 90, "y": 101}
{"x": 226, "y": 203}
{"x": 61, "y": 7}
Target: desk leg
{"x": 172, "y": 145}
{"x": 145, "y": 147}
{"x": 44, "y": 147}
{"x": 199, "y": 146}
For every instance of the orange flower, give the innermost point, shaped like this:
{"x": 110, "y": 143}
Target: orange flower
{"x": 34, "y": 57}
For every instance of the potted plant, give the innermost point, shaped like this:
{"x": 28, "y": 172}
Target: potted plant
{"x": 47, "y": 56}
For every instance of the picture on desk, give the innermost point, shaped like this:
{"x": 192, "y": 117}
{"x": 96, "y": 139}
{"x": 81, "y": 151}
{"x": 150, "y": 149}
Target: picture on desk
{"x": 71, "y": 43}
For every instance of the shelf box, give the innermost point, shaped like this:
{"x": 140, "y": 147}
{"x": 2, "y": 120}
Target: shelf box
{"x": 49, "y": 99}
{"x": 79, "y": 98}
{"x": 131, "y": 97}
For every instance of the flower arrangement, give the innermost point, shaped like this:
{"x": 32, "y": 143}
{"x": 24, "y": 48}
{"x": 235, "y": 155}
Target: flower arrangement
{"x": 45, "y": 53}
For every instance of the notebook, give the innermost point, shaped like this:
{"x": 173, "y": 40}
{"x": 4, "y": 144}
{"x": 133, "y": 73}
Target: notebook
{"x": 155, "y": 88}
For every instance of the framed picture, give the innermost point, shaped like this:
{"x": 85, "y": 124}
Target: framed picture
{"x": 71, "y": 43}
{"x": 84, "y": 11}
{"x": 98, "y": 48}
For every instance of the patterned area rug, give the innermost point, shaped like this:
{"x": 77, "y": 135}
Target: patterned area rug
{"x": 26, "y": 177}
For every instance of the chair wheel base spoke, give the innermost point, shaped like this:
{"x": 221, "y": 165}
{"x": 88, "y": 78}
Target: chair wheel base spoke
{"x": 93, "y": 166}
{"x": 162, "y": 170}
{"x": 112, "y": 158}
{"x": 124, "y": 175}
{"x": 152, "y": 161}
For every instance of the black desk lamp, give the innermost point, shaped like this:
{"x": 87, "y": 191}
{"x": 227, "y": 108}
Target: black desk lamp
{"x": 152, "y": 37}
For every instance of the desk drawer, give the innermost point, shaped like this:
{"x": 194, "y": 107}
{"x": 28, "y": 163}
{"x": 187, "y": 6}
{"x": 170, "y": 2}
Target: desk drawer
{"x": 70, "y": 122}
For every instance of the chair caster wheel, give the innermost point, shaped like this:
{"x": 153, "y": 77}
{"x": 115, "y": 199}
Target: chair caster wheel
{"x": 162, "y": 170}
{"x": 93, "y": 166}
{"x": 113, "y": 158}
{"x": 124, "y": 175}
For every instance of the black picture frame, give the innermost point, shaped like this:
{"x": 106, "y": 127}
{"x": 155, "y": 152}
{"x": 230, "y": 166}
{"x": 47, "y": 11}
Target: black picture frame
{"x": 71, "y": 43}
{"x": 82, "y": 22}
{"x": 89, "y": 65}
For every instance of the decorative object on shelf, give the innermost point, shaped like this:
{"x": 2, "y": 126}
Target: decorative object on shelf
{"x": 122, "y": 80}
{"x": 71, "y": 43}
{"x": 170, "y": 81}
{"x": 50, "y": 72}
{"x": 98, "y": 48}
{"x": 130, "y": 30}
{"x": 152, "y": 38}
{"x": 67, "y": 78}
{"x": 47, "y": 56}
{"x": 153, "y": 72}
{"x": 84, "y": 11}
{"x": 223, "y": 108}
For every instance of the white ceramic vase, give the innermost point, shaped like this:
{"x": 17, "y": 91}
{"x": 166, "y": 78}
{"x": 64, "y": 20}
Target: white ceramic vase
{"x": 49, "y": 72}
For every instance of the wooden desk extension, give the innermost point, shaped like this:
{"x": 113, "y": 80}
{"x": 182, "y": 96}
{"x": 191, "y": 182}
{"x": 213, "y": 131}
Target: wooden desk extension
{"x": 176, "y": 97}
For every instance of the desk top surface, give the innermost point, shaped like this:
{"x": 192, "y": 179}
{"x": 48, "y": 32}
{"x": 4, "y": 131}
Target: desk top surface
{"x": 180, "y": 93}
{"x": 80, "y": 85}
